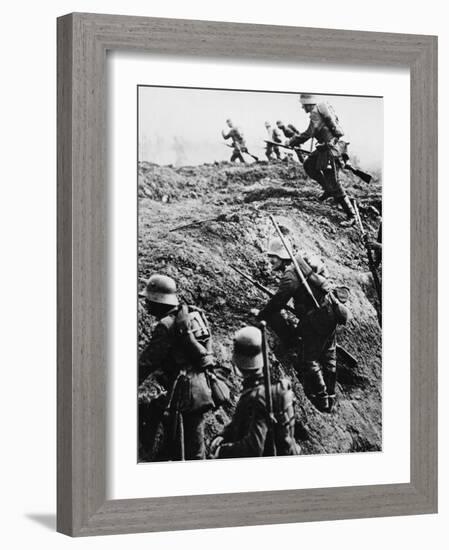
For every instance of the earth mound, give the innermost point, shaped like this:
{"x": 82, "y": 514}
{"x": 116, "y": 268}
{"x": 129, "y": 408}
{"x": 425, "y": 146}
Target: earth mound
{"x": 196, "y": 222}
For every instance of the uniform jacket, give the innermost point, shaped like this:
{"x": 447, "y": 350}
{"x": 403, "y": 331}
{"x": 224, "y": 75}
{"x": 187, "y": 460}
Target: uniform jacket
{"x": 237, "y": 137}
{"x": 289, "y": 130}
{"x": 291, "y": 287}
{"x": 165, "y": 352}
{"x": 323, "y": 126}
{"x": 246, "y": 435}
{"x": 274, "y": 135}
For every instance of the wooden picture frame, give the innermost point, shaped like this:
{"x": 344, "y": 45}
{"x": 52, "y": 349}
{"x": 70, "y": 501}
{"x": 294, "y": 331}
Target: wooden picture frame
{"x": 83, "y": 40}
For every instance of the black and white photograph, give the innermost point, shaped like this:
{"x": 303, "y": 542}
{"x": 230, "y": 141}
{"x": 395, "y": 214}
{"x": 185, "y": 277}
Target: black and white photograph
{"x": 259, "y": 273}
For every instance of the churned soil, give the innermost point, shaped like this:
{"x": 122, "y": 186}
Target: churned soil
{"x": 195, "y": 221}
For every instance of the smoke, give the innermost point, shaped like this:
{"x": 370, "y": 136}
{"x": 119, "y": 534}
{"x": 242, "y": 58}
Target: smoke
{"x": 180, "y": 151}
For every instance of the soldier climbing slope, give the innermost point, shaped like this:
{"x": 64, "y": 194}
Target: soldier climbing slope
{"x": 177, "y": 362}
{"x": 274, "y": 135}
{"x": 317, "y": 325}
{"x": 324, "y": 164}
{"x": 248, "y": 434}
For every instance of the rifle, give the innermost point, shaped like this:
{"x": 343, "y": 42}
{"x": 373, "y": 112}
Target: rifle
{"x": 371, "y": 263}
{"x": 364, "y": 176}
{"x": 176, "y": 421}
{"x": 243, "y": 151}
{"x": 344, "y": 355}
{"x": 197, "y": 222}
{"x": 268, "y": 396}
{"x": 295, "y": 264}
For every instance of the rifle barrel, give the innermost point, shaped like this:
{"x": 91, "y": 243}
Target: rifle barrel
{"x": 295, "y": 263}
{"x": 267, "y": 384}
{"x": 369, "y": 253}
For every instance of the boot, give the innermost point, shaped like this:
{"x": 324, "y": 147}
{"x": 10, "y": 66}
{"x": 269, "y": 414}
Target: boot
{"x": 348, "y": 209}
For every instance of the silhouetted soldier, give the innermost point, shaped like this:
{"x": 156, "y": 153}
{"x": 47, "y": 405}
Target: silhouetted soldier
{"x": 238, "y": 141}
{"x": 289, "y": 131}
{"x": 275, "y": 136}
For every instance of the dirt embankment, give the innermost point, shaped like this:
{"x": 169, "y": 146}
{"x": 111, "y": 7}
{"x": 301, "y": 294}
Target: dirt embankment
{"x": 231, "y": 204}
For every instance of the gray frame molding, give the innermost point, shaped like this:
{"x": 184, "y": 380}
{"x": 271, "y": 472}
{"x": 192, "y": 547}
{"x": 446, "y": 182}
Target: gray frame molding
{"x": 83, "y": 40}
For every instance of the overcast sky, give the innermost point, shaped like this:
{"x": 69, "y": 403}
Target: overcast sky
{"x": 182, "y": 126}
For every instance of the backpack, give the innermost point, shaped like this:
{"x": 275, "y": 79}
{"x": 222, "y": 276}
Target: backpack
{"x": 331, "y": 119}
{"x": 284, "y": 413}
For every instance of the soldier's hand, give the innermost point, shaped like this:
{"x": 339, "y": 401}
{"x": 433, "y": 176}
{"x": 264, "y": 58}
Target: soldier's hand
{"x": 254, "y": 311}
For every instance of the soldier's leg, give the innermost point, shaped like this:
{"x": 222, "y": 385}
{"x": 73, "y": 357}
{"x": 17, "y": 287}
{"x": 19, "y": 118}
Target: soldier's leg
{"x": 338, "y": 191}
{"x": 317, "y": 175}
{"x": 150, "y": 419}
{"x": 314, "y": 384}
{"x": 329, "y": 364}
{"x": 194, "y": 436}
{"x": 268, "y": 151}
{"x": 277, "y": 152}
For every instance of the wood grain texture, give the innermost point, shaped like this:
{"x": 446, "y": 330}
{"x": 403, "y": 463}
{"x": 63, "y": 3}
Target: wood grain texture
{"x": 83, "y": 40}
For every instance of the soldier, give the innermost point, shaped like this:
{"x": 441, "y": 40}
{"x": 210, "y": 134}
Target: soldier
{"x": 376, "y": 245}
{"x": 289, "y": 131}
{"x": 317, "y": 326}
{"x": 324, "y": 164}
{"x": 174, "y": 362}
{"x": 238, "y": 141}
{"x": 247, "y": 434}
{"x": 273, "y": 135}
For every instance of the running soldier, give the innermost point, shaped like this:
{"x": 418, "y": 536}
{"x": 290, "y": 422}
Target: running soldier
{"x": 274, "y": 135}
{"x": 324, "y": 164}
{"x": 247, "y": 434}
{"x": 238, "y": 141}
{"x": 289, "y": 131}
{"x": 172, "y": 369}
{"x": 317, "y": 326}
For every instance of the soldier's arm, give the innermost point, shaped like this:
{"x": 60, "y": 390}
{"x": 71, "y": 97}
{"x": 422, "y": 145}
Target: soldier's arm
{"x": 155, "y": 354}
{"x": 304, "y": 136}
{"x": 226, "y": 135}
{"x": 287, "y": 288}
{"x": 293, "y": 128}
{"x": 253, "y": 443}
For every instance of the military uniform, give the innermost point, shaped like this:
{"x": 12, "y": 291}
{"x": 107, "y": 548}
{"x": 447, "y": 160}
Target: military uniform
{"x": 247, "y": 434}
{"x": 317, "y": 328}
{"x": 324, "y": 163}
{"x": 172, "y": 362}
{"x": 273, "y": 135}
{"x": 289, "y": 131}
{"x": 238, "y": 142}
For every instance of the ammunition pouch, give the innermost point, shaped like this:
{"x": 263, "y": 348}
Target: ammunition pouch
{"x": 323, "y": 319}
{"x": 193, "y": 393}
{"x": 219, "y": 388}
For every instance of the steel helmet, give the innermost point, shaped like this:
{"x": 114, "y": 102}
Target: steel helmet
{"x": 276, "y": 248}
{"x": 161, "y": 290}
{"x": 279, "y": 123}
{"x": 248, "y": 349}
{"x": 307, "y": 99}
